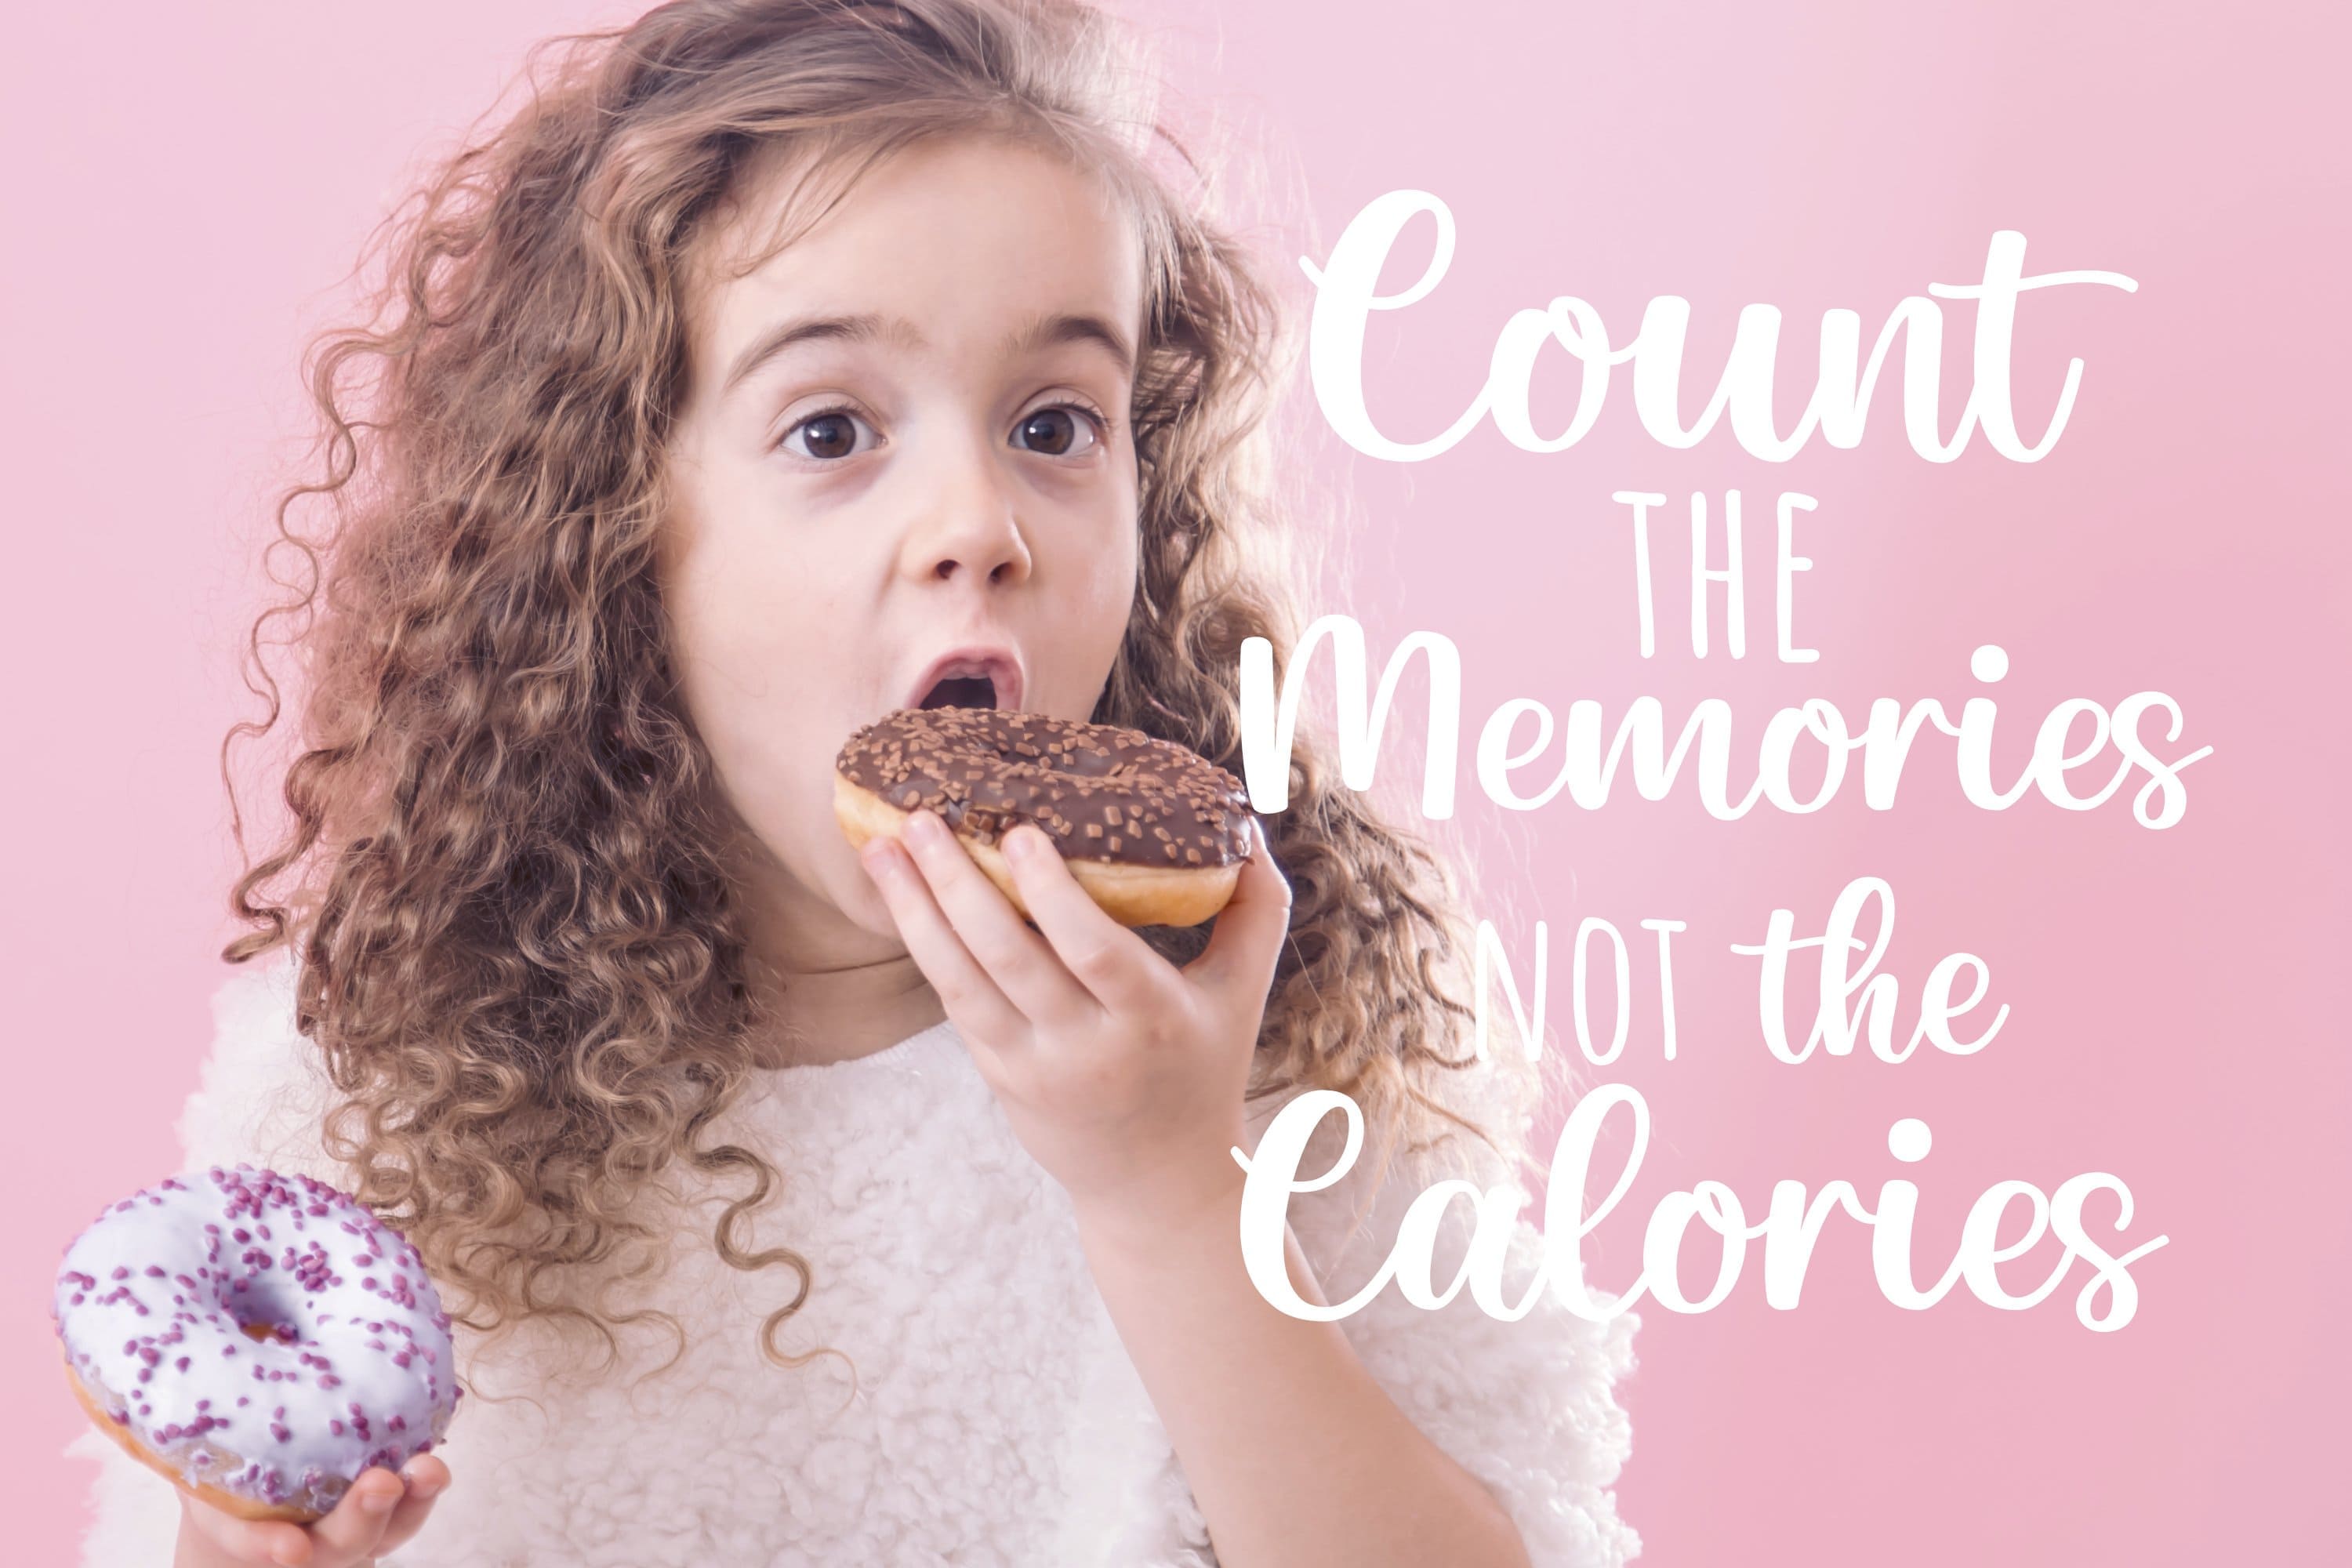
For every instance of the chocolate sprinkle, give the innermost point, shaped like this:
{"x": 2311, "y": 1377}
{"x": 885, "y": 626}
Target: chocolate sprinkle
{"x": 1098, "y": 791}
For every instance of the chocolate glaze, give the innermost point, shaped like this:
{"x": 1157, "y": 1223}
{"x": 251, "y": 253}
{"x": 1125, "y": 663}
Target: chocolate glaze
{"x": 1100, "y": 792}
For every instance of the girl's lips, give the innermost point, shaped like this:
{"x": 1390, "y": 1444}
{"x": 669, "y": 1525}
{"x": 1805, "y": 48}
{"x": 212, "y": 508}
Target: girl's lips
{"x": 1000, "y": 664}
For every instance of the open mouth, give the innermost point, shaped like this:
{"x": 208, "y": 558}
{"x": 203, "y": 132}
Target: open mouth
{"x": 978, "y": 676}
{"x": 961, "y": 691}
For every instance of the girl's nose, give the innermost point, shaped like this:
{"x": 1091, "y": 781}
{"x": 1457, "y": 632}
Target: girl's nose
{"x": 971, "y": 527}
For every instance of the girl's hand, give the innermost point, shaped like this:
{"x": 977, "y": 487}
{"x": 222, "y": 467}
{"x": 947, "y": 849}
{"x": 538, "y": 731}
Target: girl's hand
{"x": 1121, "y": 1075}
{"x": 374, "y": 1517}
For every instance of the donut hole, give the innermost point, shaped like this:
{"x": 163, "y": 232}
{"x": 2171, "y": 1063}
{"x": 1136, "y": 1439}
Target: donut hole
{"x": 962, "y": 692}
{"x": 266, "y": 1312}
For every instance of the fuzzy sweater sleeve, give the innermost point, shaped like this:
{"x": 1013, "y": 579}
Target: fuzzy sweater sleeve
{"x": 1530, "y": 1407}
{"x": 260, "y": 1099}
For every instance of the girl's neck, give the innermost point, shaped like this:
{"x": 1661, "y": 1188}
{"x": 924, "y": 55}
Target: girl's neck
{"x": 818, "y": 1015}
{"x": 826, "y": 989}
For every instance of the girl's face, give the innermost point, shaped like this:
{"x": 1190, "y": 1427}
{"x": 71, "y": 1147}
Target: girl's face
{"x": 903, "y": 477}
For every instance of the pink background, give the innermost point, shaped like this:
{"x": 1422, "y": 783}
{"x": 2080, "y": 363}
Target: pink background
{"x": 191, "y": 183}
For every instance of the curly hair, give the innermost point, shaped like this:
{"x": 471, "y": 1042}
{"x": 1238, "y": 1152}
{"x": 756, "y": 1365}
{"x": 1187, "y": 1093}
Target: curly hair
{"x": 520, "y": 953}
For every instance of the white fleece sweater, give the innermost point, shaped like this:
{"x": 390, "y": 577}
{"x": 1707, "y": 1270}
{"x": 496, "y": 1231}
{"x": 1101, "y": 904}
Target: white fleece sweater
{"x": 996, "y": 1419}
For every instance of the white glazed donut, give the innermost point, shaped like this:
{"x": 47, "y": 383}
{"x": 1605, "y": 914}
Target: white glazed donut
{"x": 262, "y": 1340}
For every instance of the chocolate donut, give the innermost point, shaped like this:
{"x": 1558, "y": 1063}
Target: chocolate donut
{"x": 1155, "y": 834}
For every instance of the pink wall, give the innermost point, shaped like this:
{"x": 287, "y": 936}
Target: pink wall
{"x": 191, "y": 185}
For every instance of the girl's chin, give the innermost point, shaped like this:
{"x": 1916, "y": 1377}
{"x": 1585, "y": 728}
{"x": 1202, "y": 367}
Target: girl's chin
{"x": 861, "y": 905}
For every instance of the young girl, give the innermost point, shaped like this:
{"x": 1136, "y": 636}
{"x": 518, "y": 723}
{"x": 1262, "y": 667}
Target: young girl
{"x": 783, "y": 363}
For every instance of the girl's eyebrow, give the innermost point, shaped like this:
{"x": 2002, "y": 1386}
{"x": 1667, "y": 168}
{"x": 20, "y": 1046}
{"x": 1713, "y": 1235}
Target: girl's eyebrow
{"x": 1048, "y": 329}
{"x": 869, "y": 327}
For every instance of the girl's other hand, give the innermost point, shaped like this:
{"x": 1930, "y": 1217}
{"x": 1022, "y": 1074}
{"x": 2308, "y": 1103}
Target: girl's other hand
{"x": 377, "y": 1515}
{"x": 1122, "y": 1075}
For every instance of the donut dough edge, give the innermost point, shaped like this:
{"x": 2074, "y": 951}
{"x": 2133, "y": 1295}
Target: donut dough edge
{"x": 228, "y": 1502}
{"x": 1132, "y": 894}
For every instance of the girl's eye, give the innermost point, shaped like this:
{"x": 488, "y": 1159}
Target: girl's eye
{"x": 827, "y": 436}
{"x": 1061, "y": 431}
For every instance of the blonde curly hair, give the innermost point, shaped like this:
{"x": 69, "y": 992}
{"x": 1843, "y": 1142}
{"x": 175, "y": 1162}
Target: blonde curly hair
{"x": 519, "y": 953}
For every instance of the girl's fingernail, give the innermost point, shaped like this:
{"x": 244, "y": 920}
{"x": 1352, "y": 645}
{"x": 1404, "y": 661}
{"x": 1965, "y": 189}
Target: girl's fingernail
{"x": 1019, "y": 846}
{"x": 376, "y": 1501}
